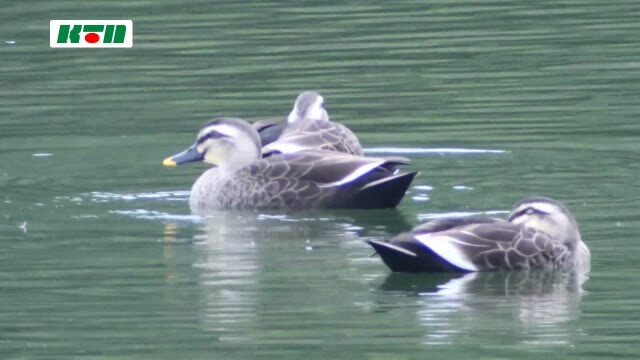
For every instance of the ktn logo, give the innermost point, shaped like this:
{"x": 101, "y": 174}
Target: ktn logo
{"x": 91, "y": 33}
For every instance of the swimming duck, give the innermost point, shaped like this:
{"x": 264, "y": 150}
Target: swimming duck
{"x": 307, "y": 127}
{"x": 540, "y": 233}
{"x": 305, "y": 179}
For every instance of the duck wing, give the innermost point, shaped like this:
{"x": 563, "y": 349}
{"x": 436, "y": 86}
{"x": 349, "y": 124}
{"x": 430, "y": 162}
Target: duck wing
{"x": 481, "y": 246}
{"x": 330, "y": 169}
{"x": 345, "y": 140}
{"x": 320, "y": 135}
{"x": 312, "y": 179}
{"x": 359, "y": 182}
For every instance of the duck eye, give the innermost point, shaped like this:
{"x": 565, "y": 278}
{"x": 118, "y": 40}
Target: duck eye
{"x": 527, "y": 211}
{"x": 322, "y": 105}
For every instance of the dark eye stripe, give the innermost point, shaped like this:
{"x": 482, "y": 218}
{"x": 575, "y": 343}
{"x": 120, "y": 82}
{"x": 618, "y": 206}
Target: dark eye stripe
{"x": 538, "y": 211}
{"x": 210, "y": 135}
{"x": 525, "y": 210}
{"x": 518, "y": 214}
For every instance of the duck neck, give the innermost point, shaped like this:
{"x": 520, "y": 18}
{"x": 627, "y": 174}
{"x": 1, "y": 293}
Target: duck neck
{"x": 297, "y": 120}
{"x": 243, "y": 154}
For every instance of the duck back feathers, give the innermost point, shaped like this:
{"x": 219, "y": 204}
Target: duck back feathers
{"x": 318, "y": 135}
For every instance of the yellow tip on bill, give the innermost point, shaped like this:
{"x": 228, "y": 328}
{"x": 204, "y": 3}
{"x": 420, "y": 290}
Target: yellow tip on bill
{"x": 169, "y": 162}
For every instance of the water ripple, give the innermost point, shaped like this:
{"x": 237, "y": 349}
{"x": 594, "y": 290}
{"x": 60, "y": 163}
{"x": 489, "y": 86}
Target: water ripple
{"x": 438, "y": 151}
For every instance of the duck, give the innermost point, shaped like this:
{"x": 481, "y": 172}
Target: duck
{"x": 307, "y": 127}
{"x": 242, "y": 179}
{"x": 539, "y": 233}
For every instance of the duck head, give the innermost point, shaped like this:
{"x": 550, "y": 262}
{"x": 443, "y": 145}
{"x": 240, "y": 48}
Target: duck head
{"x": 309, "y": 106}
{"x": 547, "y": 215}
{"x": 227, "y": 143}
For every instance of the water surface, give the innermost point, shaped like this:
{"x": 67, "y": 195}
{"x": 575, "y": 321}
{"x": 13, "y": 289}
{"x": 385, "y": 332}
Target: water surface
{"x": 492, "y": 101}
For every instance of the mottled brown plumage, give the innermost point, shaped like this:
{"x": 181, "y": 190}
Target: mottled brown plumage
{"x": 299, "y": 180}
{"x": 540, "y": 234}
{"x": 304, "y": 179}
{"x": 307, "y": 127}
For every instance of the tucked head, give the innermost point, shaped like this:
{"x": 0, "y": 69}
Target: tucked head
{"x": 225, "y": 142}
{"x": 548, "y": 215}
{"x": 308, "y": 106}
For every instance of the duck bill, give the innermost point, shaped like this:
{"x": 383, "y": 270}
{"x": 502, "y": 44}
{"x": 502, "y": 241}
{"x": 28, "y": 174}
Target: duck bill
{"x": 189, "y": 155}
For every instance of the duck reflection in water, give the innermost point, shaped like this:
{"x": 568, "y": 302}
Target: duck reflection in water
{"x": 545, "y": 304}
{"x": 254, "y": 269}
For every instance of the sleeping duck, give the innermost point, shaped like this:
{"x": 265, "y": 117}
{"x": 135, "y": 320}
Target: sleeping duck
{"x": 307, "y": 127}
{"x": 540, "y": 233}
{"x": 241, "y": 179}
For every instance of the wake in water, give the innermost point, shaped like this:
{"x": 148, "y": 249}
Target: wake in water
{"x": 99, "y": 196}
{"x": 436, "y": 151}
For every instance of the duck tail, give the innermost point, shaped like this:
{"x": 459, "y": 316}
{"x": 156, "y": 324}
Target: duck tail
{"x": 410, "y": 257}
{"x": 395, "y": 257}
{"x": 384, "y": 193}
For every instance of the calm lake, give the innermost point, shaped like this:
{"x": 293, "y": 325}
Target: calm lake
{"x": 492, "y": 101}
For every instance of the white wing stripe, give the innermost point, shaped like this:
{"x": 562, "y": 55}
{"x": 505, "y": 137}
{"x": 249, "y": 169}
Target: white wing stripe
{"x": 283, "y": 147}
{"x": 396, "y": 248}
{"x": 360, "y": 171}
{"x": 449, "y": 249}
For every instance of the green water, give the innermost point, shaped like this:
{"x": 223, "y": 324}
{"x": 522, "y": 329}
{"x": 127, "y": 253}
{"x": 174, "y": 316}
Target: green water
{"x": 111, "y": 265}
